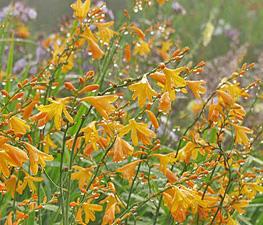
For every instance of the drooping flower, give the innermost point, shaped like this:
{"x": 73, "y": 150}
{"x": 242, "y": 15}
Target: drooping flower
{"x": 27, "y": 111}
{"x": 165, "y": 103}
{"x": 225, "y": 98}
{"x": 143, "y": 91}
{"x": 93, "y": 46}
{"x": 153, "y": 119}
{"x": 128, "y": 171}
{"x": 36, "y": 157}
{"x": 139, "y": 132}
{"x": 11, "y": 185}
{"x": 54, "y": 110}
{"x": 113, "y": 207}
{"x": 18, "y": 125}
{"x": 10, "y": 156}
{"x": 81, "y": 9}
{"x": 103, "y": 104}
{"x": 120, "y": 150}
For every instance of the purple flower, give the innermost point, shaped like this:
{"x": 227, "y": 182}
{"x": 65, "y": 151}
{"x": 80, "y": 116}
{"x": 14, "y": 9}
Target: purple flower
{"x": 178, "y": 8}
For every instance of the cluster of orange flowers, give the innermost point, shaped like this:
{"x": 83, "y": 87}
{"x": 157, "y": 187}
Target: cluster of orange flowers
{"x": 78, "y": 148}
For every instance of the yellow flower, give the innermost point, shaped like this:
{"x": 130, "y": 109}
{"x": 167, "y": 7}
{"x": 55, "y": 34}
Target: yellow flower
{"x": 197, "y": 88}
{"x": 165, "y": 160}
{"x": 121, "y": 150}
{"x": 142, "y": 48}
{"x": 48, "y": 143}
{"x": 28, "y": 181}
{"x": 143, "y": 91}
{"x": 103, "y": 104}
{"x": 189, "y": 151}
{"x": 82, "y": 175}
{"x": 163, "y": 51}
{"x": 36, "y": 158}
{"x": 55, "y": 110}
{"x": 241, "y": 134}
{"x": 58, "y": 57}
{"x": 81, "y": 9}
{"x": 91, "y": 134}
{"x": 128, "y": 171}
{"x": 18, "y": 125}
{"x": 89, "y": 211}
{"x": 104, "y": 32}
{"x": 139, "y": 132}
{"x": 173, "y": 80}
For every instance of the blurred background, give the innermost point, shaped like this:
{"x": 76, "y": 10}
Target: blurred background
{"x": 239, "y": 21}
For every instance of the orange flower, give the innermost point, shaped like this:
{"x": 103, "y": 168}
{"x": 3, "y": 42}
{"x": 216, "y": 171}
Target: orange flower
{"x": 81, "y": 9}
{"x": 128, "y": 171}
{"x": 153, "y": 119}
{"x": 11, "y": 185}
{"x": 196, "y": 87}
{"x": 121, "y": 150}
{"x": 139, "y": 132}
{"x": 102, "y": 104}
{"x": 10, "y": 156}
{"x": 93, "y": 46}
{"x": 18, "y": 125}
{"x": 143, "y": 91}
{"x": 161, "y": 2}
{"x": 165, "y": 103}
{"x": 27, "y": 111}
{"x": 225, "y": 98}
{"x": 36, "y": 158}
{"x": 127, "y": 53}
{"x": 113, "y": 206}
{"x": 180, "y": 200}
